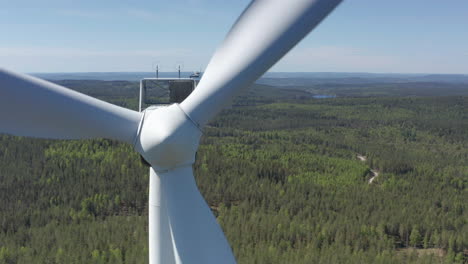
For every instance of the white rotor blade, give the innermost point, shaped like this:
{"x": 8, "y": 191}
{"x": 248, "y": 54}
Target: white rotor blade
{"x": 265, "y": 32}
{"x": 37, "y": 108}
{"x": 196, "y": 236}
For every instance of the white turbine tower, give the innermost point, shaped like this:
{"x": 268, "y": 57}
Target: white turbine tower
{"x": 182, "y": 228}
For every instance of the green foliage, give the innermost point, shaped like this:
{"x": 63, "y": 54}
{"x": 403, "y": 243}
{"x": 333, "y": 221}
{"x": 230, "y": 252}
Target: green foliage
{"x": 280, "y": 173}
{"x": 415, "y": 237}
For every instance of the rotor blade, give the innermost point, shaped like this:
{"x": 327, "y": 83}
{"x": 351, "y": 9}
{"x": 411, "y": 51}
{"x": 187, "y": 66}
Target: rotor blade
{"x": 196, "y": 236}
{"x": 37, "y": 108}
{"x": 265, "y": 32}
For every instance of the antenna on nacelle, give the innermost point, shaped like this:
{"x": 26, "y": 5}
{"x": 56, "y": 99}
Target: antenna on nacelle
{"x": 179, "y": 67}
{"x": 156, "y": 68}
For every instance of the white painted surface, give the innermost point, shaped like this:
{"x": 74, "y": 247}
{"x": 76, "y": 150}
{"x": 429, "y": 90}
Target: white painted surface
{"x": 264, "y": 33}
{"x": 160, "y": 240}
{"x": 196, "y": 236}
{"x": 36, "y": 108}
{"x": 168, "y": 138}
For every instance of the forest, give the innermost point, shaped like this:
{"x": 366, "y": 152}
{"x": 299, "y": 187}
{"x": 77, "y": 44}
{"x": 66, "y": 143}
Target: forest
{"x": 375, "y": 175}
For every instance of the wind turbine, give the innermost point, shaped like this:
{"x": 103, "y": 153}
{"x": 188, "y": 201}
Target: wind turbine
{"x": 182, "y": 228}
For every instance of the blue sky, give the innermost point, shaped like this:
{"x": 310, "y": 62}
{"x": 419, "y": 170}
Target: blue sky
{"x": 399, "y": 36}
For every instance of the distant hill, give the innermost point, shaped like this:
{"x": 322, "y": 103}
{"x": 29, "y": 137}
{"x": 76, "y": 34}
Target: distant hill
{"x": 306, "y": 79}
{"x": 108, "y": 76}
{"x": 279, "y": 78}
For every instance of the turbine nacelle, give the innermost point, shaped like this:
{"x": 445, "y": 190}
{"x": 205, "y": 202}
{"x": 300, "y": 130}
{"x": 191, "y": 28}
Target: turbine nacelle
{"x": 167, "y": 138}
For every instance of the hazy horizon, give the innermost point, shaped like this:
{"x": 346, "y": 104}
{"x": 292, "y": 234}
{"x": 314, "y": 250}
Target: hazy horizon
{"x": 319, "y": 77}
{"x": 268, "y": 72}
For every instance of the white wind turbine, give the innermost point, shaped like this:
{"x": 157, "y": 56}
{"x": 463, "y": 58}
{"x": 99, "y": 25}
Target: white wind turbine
{"x": 182, "y": 228}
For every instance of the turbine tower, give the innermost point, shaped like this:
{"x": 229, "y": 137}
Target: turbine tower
{"x": 182, "y": 228}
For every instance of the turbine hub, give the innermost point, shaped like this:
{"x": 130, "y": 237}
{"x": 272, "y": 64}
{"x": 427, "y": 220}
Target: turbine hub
{"x": 167, "y": 138}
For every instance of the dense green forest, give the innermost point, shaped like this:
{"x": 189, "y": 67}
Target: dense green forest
{"x": 291, "y": 179}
